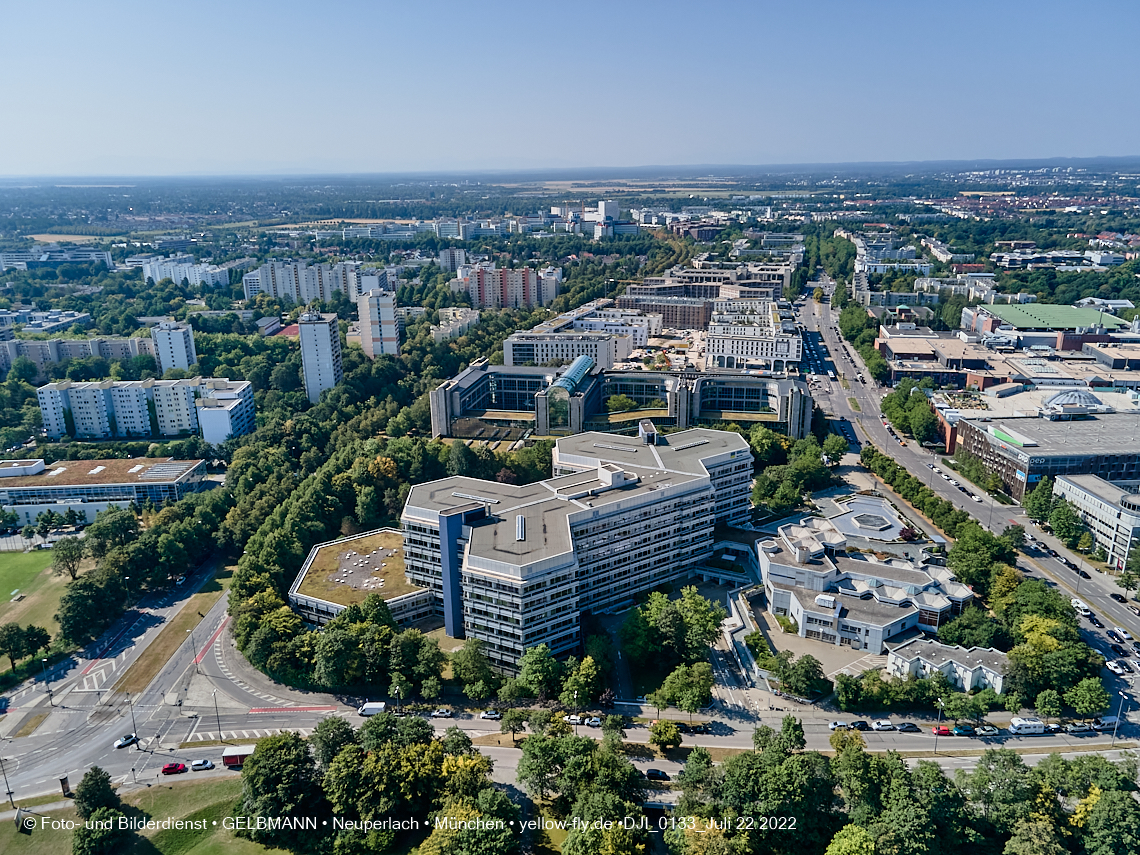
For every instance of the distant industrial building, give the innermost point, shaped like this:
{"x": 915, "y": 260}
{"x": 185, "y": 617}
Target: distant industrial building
{"x": 320, "y": 353}
{"x": 31, "y": 487}
{"x": 216, "y": 409}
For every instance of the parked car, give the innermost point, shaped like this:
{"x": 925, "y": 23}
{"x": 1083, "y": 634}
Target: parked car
{"x": 572, "y": 719}
{"x": 859, "y": 725}
{"x": 986, "y": 730}
{"x": 656, "y": 775}
{"x": 976, "y": 498}
{"x": 882, "y": 724}
{"x": 837, "y": 725}
{"x": 940, "y": 730}
{"x": 1118, "y": 597}
{"x": 954, "y": 483}
{"x": 1095, "y": 621}
{"x": 593, "y": 722}
{"x": 493, "y": 715}
{"x": 908, "y": 727}
{"x": 1123, "y": 633}
{"x": 963, "y": 730}
{"x": 174, "y": 768}
{"x": 1127, "y": 668}
{"x": 1083, "y": 574}
{"x": 1114, "y": 667}
{"x": 441, "y": 713}
{"x": 1053, "y": 728}
{"x": 1117, "y": 650}
{"x": 1135, "y": 610}
{"x": 1079, "y": 727}
{"x": 201, "y": 765}
{"x": 123, "y": 742}
{"x": 1113, "y": 635}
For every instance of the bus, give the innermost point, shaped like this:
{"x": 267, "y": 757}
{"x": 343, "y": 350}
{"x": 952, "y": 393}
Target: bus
{"x": 830, "y": 375}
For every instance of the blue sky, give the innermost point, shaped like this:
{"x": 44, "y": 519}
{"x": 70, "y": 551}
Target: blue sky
{"x": 137, "y": 88}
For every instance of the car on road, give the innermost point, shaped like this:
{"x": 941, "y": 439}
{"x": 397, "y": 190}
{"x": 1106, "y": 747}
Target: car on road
{"x": 593, "y": 722}
{"x": 929, "y": 465}
{"x": 859, "y": 725}
{"x": 124, "y": 741}
{"x": 1079, "y": 727}
{"x": 493, "y": 715}
{"x": 908, "y": 727}
{"x": 954, "y": 483}
{"x": 1113, "y": 635}
{"x": 1053, "y": 728}
{"x": 937, "y": 471}
{"x": 572, "y": 719}
{"x": 1117, "y": 650}
{"x": 963, "y": 730}
{"x": 945, "y": 477}
{"x": 940, "y": 730}
{"x": 1118, "y": 597}
{"x": 201, "y": 765}
{"x": 975, "y": 498}
{"x": 882, "y": 724}
{"x": 174, "y": 768}
{"x": 837, "y": 725}
{"x": 1095, "y": 621}
{"x": 441, "y": 713}
{"x": 1123, "y": 633}
{"x": 1125, "y": 666}
{"x": 1135, "y": 610}
{"x": 656, "y": 775}
{"x": 986, "y": 730}
{"x": 1083, "y": 574}
{"x": 1114, "y": 667}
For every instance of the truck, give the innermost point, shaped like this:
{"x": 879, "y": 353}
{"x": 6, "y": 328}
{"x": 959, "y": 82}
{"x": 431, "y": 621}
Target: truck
{"x": 1024, "y": 726}
{"x": 234, "y": 756}
{"x": 372, "y": 708}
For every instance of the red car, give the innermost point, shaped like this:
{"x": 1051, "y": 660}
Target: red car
{"x": 173, "y": 768}
{"x": 940, "y": 731}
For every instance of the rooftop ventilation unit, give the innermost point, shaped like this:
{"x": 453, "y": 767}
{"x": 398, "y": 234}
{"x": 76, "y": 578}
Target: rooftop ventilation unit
{"x": 825, "y": 600}
{"x": 520, "y": 527}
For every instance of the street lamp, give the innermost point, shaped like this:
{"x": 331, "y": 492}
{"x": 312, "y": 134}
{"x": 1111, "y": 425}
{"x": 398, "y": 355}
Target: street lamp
{"x": 7, "y": 786}
{"x": 194, "y": 650}
{"x": 47, "y": 683}
{"x": 134, "y": 725}
{"x": 576, "y": 716}
{"x": 936, "y": 726}
{"x": 1119, "y": 713}
{"x": 217, "y": 716}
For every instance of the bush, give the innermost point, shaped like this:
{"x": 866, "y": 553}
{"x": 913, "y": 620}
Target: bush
{"x": 787, "y": 624}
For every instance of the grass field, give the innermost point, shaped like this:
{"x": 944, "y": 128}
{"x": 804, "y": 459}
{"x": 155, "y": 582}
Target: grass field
{"x": 30, "y": 574}
{"x": 29, "y": 726}
{"x": 174, "y": 634}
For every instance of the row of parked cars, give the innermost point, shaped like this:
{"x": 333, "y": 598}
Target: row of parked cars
{"x": 1017, "y": 727}
{"x": 953, "y": 483}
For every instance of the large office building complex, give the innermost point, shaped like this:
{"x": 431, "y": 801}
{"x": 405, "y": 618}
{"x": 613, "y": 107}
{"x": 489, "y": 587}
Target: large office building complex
{"x": 320, "y": 353}
{"x": 558, "y": 348}
{"x": 516, "y": 566}
{"x": 29, "y": 487}
{"x": 216, "y": 409}
{"x": 1111, "y": 512}
{"x": 173, "y": 345}
{"x": 753, "y": 334}
{"x": 379, "y": 327}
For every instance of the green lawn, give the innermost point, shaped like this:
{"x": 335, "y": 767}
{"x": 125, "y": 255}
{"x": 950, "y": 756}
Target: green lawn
{"x": 30, "y": 574}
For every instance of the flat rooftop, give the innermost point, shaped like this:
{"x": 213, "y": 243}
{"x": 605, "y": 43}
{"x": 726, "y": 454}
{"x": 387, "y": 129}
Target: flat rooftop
{"x": 1105, "y": 434}
{"x": 978, "y": 405}
{"x": 132, "y": 470}
{"x": 1048, "y": 316}
{"x": 674, "y": 452}
{"x": 347, "y": 571}
{"x": 1106, "y": 491}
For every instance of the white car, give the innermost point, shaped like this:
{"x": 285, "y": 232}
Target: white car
{"x": 837, "y": 725}
{"x": 1114, "y": 667}
{"x": 937, "y": 471}
{"x": 441, "y": 713}
{"x": 129, "y": 739}
{"x": 593, "y": 722}
{"x": 953, "y": 483}
{"x": 945, "y": 477}
{"x": 1123, "y": 633}
{"x": 493, "y": 715}
{"x": 882, "y": 724}
{"x": 975, "y": 497}
{"x": 572, "y": 719}
{"x": 201, "y": 765}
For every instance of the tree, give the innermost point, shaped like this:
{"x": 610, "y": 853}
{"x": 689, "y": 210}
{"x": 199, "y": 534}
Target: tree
{"x": 1038, "y": 502}
{"x": 974, "y": 628}
{"x": 1085, "y": 544}
{"x": 112, "y": 527}
{"x": 817, "y": 295}
{"x": 1014, "y": 535}
{"x": 834, "y": 446}
{"x": 95, "y": 792}
{"x": 1088, "y": 697}
{"x": 613, "y": 727}
{"x": 23, "y": 370}
{"x": 1035, "y": 837}
{"x": 1129, "y": 580}
{"x": 542, "y": 759}
{"x": 1065, "y": 522}
{"x": 1000, "y": 788}
{"x": 582, "y": 685}
{"x": 851, "y": 840}
{"x": 13, "y": 642}
{"x": 470, "y": 665}
{"x": 280, "y": 779}
{"x": 431, "y": 688}
{"x": 620, "y": 403}
{"x": 539, "y": 672}
{"x": 513, "y": 721}
{"x": 101, "y": 834}
{"x": 329, "y": 737}
{"x": 689, "y": 687}
{"x": 665, "y": 734}
{"x": 1048, "y": 704}
{"x": 539, "y": 720}
{"x": 1113, "y": 825}
{"x": 66, "y": 555}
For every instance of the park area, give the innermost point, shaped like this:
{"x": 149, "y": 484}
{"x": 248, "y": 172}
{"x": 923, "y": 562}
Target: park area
{"x": 31, "y": 590}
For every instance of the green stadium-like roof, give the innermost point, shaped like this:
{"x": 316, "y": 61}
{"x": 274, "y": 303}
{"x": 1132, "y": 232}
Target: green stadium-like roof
{"x": 1049, "y": 316}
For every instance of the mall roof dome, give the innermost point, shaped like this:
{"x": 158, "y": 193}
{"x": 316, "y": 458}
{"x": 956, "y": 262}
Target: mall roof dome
{"x": 1073, "y": 398}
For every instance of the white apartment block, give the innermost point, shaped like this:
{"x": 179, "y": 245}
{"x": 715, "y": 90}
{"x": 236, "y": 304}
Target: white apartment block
{"x": 529, "y": 348}
{"x": 111, "y": 409}
{"x": 452, "y": 258}
{"x": 516, "y": 566}
{"x": 56, "y": 350}
{"x": 453, "y": 322}
{"x": 379, "y": 326}
{"x": 320, "y": 353}
{"x": 967, "y": 668}
{"x": 183, "y": 268}
{"x": 173, "y": 346}
{"x": 751, "y": 332}
{"x": 301, "y": 283}
{"x": 1111, "y": 512}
